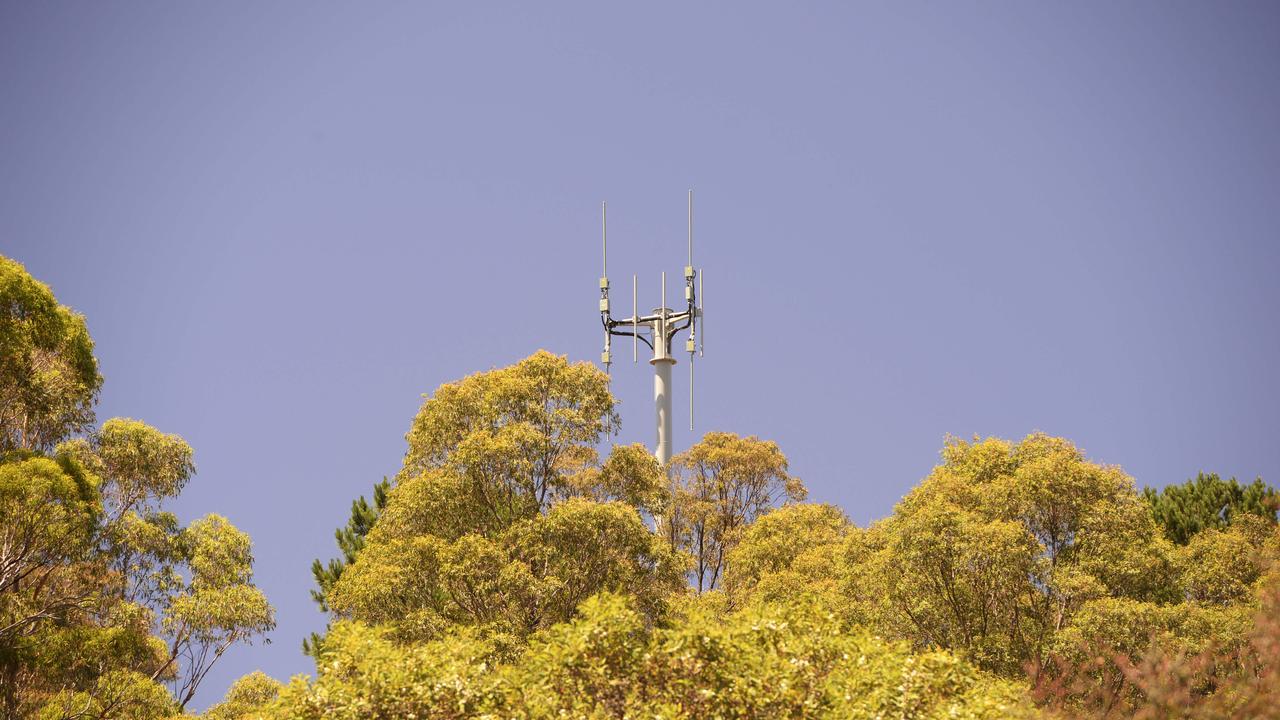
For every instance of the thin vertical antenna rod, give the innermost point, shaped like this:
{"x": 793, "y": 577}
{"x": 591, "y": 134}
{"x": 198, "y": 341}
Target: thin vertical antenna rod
{"x": 691, "y": 228}
{"x": 635, "y": 323}
{"x": 604, "y": 238}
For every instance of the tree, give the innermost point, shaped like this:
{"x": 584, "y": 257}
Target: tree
{"x": 1191, "y": 660}
{"x": 248, "y": 696}
{"x": 785, "y": 660}
{"x": 527, "y": 578}
{"x": 998, "y": 548}
{"x": 1208, "y": 501}
{"x": 50, "y": 509}
{"x": 631, "y": 475}
{"x": 503, "y": 519}
{"x": 786, "y": 553}
{"x": 514, "y": 435}
{"x": 49, "y": 378}
{"x": 350, "y": 539}
{"x": 1010, "y": 559}
{"x": 217, "y": 607}
{"x": 720, "y": 485}
{"x": 104, "y": 597}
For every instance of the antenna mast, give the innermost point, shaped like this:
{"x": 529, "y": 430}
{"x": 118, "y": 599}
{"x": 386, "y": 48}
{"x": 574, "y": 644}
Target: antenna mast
{"x": 657, "y": 330}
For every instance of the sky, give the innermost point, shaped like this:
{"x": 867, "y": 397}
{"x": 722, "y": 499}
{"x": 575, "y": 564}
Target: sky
{"x": 286, "y": 222}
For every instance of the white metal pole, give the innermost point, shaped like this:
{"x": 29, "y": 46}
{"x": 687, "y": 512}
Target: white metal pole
{"x": 662, "y": 362}
{"x": 662, "y": 401}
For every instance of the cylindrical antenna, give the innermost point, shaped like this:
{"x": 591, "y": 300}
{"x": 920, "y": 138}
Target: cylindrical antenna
{"x": 661, "y": 335}
{"x": 635, "y": 323}
{"x": 690, "y": 228}
{"x": 690, "y": 391}
{"x": 604, "y": 239}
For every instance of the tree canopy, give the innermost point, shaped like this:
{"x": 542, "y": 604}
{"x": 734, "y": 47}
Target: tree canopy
{"x": 503, "y": 519}
{"x": 105, "y": 598}
{"x": 49, "y": 377}
{"x": 1208, "y": 501}
{"x": 512, "y": 572}
{"x": 519, "y": 565}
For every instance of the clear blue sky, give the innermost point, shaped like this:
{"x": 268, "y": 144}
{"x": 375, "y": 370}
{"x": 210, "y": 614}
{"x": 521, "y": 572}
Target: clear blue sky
{"x": 287, "y": 221}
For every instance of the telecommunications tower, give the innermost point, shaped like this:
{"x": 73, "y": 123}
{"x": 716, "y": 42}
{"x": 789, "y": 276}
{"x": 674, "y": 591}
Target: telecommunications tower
{"x": 656, "y": 330}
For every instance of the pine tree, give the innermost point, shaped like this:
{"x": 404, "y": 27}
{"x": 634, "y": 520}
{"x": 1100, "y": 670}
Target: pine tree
{"x": 1208, "y": 501}
{"x": 350, "y": 541}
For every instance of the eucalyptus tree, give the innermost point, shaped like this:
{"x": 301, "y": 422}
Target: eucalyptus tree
{"x": 503, "y": 517}
{"x": 105, "y": 598}
{"x": 719, "y": 486}
{"x": 49, "y": 378}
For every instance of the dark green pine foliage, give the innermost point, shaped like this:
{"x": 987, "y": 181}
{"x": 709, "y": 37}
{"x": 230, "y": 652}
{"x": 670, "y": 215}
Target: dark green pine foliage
{"x": 350, "y": 542}
{"x": 1208, "y": 501}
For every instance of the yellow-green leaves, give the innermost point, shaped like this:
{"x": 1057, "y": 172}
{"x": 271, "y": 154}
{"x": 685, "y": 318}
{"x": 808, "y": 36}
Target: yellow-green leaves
{"x": 90, "y": 566}
{"x": 631, "y": 474}
{"x": 110, "y": 695}
{"x": 530, "y": 576}
{"x": 996, "y": 549}
{"x": 1222, "y": 567}
{"x": 366, "y": 676}
{"x": 142, "y": 462}
{"x": 720, "y": 484}
{"x": 219, "y": 605}
{"x": 220, "y": 554}
{"x": 48, "y": 522}
{"x": 785, "y": 553}
{"x": 502, "y": 518}
{"x": 788, "y": 660}
{"x": 247, "y": 697}
{"x": 49, "y": 378}
{"x": 515, "y": 427}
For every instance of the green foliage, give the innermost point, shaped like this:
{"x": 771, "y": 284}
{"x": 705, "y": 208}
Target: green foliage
{"x": 246, "y": 698}
{"x": 787, "y": 553}
{"x": 631, "y": 475}
{"x": 104, "y": 597}
{"x": 365, "y": 675}
{"x": 502, "y": 518}
{"x": 112, "y": 695}
{"x": 1207, "y": 502}
{"x": 217, "y": 608}
{"x": 350, "y": 541}
{"x": 788, "y": 660}
{"x": 529, "y": 577}
{"x": 720, "y": 485}
{"x": 49, "y": 378}
{"x": 515, "y": 434}
{"x": 994, "y": 552}
{"x": 1009, "y": 558}
{"x": 1223, "y": 567}
{"x": 1117, "y": 672}
{"x": 140, "y": 465}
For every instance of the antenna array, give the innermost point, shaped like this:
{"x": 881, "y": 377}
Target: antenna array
{"x": 657, "y": 331}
